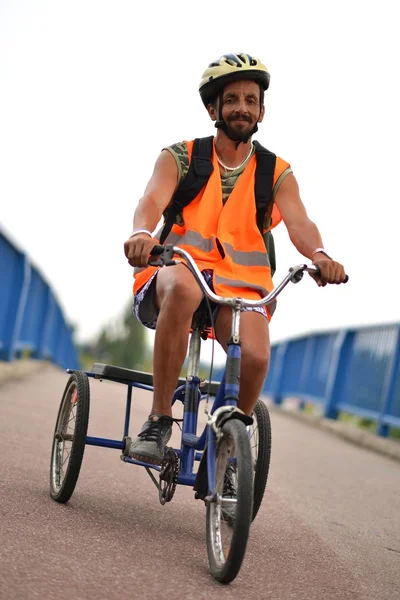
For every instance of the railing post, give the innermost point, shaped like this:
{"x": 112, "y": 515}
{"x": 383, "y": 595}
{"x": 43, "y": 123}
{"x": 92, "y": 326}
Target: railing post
{"x": 389, "y": 388}
{"x": 306, "y": 369}
{"x": 276, "y": 387}
{"x": 336, "y": 375}
{"x": 17, "y": 306}
{"x": 47, "y": 325}
{"x": 59, "y": 344}
{"x": 43, "y": 310}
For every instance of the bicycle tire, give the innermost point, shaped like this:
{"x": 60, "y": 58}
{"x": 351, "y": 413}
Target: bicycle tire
{"x": 76, "y": 396}
{"x": 225, "y": 568}
{"x": 263, "y": 459}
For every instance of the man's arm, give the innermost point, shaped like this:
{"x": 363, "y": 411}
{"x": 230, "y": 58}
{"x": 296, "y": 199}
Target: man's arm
{"x": 303, "y": 232}
{"x": 158, "y": 192}
{"x": 157, "y": 196}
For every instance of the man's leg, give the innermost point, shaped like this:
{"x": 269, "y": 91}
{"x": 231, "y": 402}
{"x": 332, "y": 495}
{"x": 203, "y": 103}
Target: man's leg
{"x": 177, "y": 297}
{"x": 255, "y": 352}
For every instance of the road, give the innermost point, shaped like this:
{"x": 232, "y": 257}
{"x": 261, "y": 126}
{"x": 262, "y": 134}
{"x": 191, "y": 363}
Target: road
{"x": 329, "y": 526}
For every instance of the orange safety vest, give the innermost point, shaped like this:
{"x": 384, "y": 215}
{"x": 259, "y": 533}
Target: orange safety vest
{"x": 242, "y": 269}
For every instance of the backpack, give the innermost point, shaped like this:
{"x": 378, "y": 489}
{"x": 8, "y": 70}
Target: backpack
{"x": 198, "y": 174}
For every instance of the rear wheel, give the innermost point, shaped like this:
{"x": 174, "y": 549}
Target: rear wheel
{"x": 69, "y": 437}
{"x": 260, "y": 443}
{"x": 229, "y": 518}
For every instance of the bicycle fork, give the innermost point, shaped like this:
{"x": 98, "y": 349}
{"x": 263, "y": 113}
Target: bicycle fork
{"x": 225, "y": 405}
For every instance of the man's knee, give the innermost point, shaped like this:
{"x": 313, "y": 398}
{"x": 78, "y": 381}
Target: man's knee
{"x": 176, "y": 286}
{"x": 255, "y": 343}
{"x": 255, "y": 358}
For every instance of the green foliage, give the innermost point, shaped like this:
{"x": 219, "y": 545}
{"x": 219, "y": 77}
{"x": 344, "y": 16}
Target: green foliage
{"x": 353, "y": 420}
{"x": 395, "y": 433}
{"x": 125, "y": 347}
{"x": 369, "y": 424}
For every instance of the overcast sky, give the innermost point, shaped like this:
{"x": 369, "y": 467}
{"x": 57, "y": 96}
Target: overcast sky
{"x": 91, "y": 91}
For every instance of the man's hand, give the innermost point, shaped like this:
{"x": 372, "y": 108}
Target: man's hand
{"x": 137, "y": 249}
{"x": 331, "y": 271}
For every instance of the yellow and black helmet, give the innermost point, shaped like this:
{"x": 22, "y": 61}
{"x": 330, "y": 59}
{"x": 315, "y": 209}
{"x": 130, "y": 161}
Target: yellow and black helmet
{"x": 231, "y": 67}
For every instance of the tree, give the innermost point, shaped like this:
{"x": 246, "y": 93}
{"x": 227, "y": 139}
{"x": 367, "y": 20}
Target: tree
{"x": 125, "y": 348}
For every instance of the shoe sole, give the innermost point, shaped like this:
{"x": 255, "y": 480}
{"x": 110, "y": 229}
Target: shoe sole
{"x": 146, "y": 459}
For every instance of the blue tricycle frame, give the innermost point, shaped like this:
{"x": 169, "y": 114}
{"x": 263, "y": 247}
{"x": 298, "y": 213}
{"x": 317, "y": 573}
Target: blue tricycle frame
{"x": 189, "y": 392}
{"x": 229, "y": 476}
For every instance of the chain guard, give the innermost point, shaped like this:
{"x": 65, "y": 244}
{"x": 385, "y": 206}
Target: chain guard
{"x": 168, "y": 476}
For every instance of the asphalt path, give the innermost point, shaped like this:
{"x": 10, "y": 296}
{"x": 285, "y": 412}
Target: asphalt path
{"x": 329, "y": 526}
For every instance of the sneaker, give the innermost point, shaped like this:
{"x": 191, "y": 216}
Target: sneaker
{"x": 229, "y": 492}
{"x": 150, "y": 443}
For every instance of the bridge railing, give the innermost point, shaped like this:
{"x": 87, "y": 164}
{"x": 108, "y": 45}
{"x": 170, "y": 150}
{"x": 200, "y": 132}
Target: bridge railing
{"x": 356, "y": 371}
{"x": 31, "y": 318}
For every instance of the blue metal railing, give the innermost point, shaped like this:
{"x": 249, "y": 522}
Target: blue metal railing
{"x": 350, "y": 370}
{"x": 353, "y": 370}
{"x": 31, "y": 319}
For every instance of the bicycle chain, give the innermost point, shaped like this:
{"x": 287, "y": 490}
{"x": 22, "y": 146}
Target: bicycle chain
{"x": 168, "y": 476}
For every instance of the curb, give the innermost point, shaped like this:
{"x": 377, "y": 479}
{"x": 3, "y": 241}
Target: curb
{"x": 355, "y": 435}
{"x": 19, "y": 369}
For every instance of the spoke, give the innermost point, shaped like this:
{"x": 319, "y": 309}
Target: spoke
{"x": 72, "y": 419}
{"x": 58, "y": 468}
{"x": 64, "y": 425}
{"x": 70, "y": 428}
{"x": 67, "y": 457}
{"x": 254, "y": 431}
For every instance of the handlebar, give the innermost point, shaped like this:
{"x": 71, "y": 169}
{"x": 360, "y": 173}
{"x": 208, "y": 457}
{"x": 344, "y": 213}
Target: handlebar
{"x": 166, "y": 258}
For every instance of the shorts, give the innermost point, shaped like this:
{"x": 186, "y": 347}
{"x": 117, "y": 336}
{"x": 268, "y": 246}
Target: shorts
{"x": 146, "y": 311}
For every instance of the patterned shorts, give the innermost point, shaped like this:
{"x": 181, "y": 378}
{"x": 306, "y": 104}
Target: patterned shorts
{"x": 145, "y": 310}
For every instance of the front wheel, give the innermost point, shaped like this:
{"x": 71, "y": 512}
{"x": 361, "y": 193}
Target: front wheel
{"x": 260, "y": 443}
{"x": 230, "y": 510}
{"x": 69, "y": 437}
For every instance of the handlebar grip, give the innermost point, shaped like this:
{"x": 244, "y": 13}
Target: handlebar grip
{"x": 318, "y": 272}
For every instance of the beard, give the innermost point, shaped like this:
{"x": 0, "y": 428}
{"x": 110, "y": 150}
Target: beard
{"x": 238, "y": 131}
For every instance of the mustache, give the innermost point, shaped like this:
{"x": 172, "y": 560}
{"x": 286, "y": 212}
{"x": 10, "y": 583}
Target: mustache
{"x": 239, "y": 116}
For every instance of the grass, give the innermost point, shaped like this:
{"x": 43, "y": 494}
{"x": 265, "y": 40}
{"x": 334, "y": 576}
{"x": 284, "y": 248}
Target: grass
{"x": 353, "y": 420}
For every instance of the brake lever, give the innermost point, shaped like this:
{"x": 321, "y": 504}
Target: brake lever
{"x": 298, "y": 273}
{"x": 165, "y": 254}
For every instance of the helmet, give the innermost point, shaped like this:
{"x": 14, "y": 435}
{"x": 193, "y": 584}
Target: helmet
{"x": 231, "y": 67}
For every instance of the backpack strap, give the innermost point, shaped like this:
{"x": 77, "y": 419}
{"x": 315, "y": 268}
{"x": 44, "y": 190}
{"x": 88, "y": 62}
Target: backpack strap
{"x": 264, "y": 179}
{"x": 196, "y": 178}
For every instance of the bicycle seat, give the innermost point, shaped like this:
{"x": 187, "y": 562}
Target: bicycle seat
{"x": 124, "y": 375}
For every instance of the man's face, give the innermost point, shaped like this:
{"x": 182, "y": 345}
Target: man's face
{"x": 241, "y": 107}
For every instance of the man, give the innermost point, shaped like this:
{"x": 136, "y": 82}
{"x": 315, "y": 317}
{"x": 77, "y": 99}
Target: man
{"x": 217, "y": 227}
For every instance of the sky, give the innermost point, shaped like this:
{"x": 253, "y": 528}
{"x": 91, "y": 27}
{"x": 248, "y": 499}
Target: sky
{"x": 92, "y": 90}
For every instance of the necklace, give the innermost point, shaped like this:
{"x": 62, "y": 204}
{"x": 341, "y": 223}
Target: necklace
{"x": 238, "y": 166}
